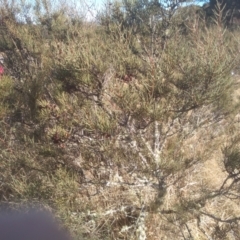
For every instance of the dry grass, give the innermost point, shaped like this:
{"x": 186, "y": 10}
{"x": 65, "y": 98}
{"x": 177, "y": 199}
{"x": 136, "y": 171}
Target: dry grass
{"x": 122, "y": 138}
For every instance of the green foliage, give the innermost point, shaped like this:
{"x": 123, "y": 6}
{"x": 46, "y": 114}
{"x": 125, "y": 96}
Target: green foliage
{"x": 88, "y": 110}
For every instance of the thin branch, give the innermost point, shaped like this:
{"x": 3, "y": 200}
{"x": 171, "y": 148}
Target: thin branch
{"x": 231, "y": 220}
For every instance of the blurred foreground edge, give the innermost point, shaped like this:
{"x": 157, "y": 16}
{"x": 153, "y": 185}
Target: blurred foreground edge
{"x": 30, "y": 225}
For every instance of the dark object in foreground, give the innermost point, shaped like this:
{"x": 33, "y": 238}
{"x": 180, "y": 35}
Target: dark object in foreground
{"x": 30, "y": 226}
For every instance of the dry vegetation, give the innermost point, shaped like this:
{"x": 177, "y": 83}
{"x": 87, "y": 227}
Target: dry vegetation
{"x": 126, "y": 127}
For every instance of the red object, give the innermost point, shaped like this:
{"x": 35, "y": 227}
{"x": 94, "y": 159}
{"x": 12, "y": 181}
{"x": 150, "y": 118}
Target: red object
{"x": 1, "y": 70}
